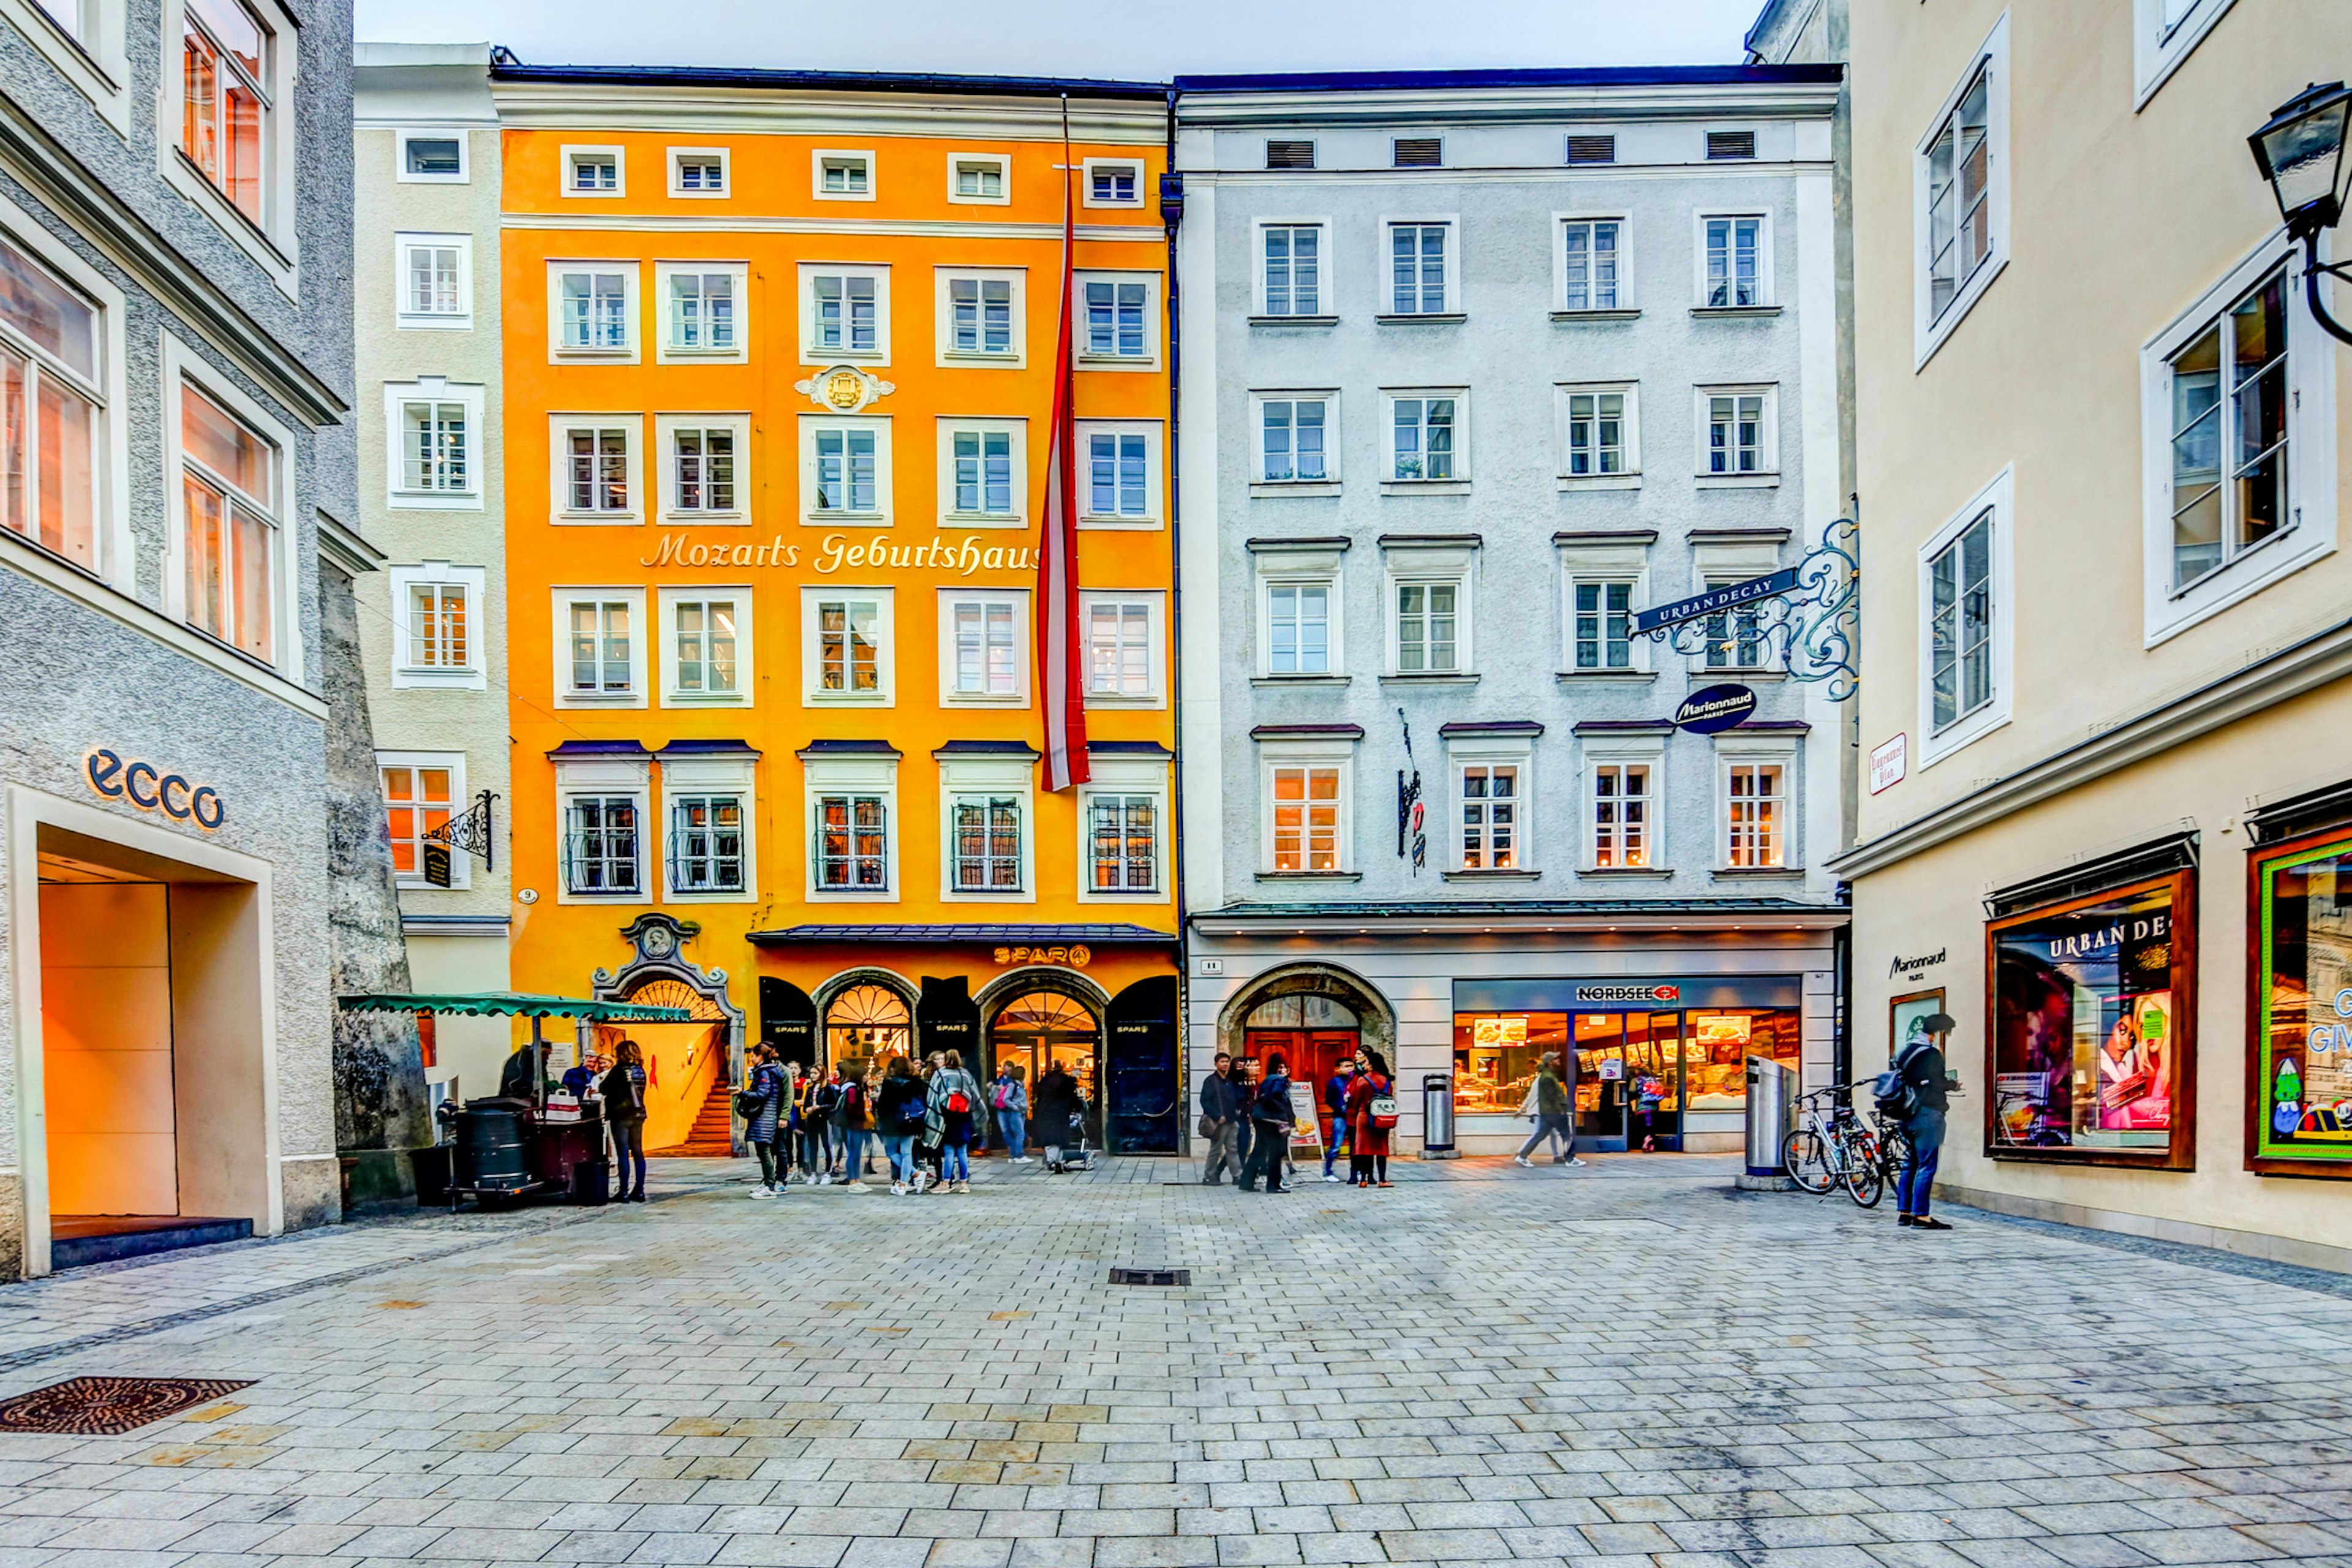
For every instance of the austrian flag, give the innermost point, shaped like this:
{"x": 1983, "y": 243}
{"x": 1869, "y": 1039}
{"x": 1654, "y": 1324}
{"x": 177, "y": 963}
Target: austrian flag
{"x": 1061, "y": 658}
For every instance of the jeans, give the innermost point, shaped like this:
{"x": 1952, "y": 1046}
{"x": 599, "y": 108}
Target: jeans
{"x": 855, "y": 1137}
{"x": 1335, "y": 1134}
{"x": 1221, "y": 1157}
{"x": 898, "y": 1148}
{"x": 628, "y": 1144}
{"x": 955, "y": 1163}
{"x": 1560, "y": 1127}
{"x": 1015, "y": 1130}
{"x": 816, "y": 1146}
{"x": 767, "y": 1153}
{"x": 1914, "y": 1185}
{"x": 1267, "y": 1146}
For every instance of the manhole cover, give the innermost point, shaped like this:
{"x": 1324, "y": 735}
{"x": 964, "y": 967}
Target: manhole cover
{"x": 1152, "y": 1276}
{"x": 109, "y": 1407}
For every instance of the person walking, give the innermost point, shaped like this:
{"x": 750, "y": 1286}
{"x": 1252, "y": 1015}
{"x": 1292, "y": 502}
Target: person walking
{"x": 1058, "y": 1110}
{"x": 1923, "y": 1097}
{"x": 1336, "y": 1122}
{"x": 816, "y": 1148}
{"x": 625, "y": 1114}
{"x": 852, "y": 1121}
{"x": 1245, "y": 1081}
{"x": 1221, "y": 1116}
{"x": 1555, "y": 1116}
{"x": 953, "y": 1104}
{"x": 1371, "y": 1113}
{"x": 1008, "y": 1099}
{"x": 764, "y": 1093}
{"x": 1273, "y": 1115}
{"x": 900, "y": 1113}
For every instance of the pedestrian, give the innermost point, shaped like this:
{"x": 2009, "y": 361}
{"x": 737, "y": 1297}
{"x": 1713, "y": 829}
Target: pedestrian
{"x": 580, "y": 1078}
{"x": 934, "y": 1149}
{"x": 853, "y": 1121}
{"x": 1555, "y": 1114}
{"x": 1335, "y": 1116}
{"x": 828, "y": 1110}
{"x": 1008, "y": 1099}
{"x": 1371, "y": 1112}
{"x": 1270, "y": 1139}
{"x": 767, "y": 1086}
{"x": 1221, "y": 1116}
{"x": 625, "y": 1114}
{"x": 1246, "y": 1080}
{"x": 1922, "y": 1100}
{"x": 1649, "y": 1094}
{"x": 954, "y": 1104}
{"x": 900, "y": 1113}
{"x": 814, "y": 1155}
{"x": 1058, "y": 1111}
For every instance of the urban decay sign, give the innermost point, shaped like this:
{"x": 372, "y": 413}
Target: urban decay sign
{"x": 150, "y": 789}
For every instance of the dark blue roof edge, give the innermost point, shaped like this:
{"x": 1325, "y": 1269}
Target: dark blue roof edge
{"x": 1130, "y": 748}
{"x": 1576, "y": 76}
{"x": 708, "y": 748}
{"x": 849, "y": 81}
{"x": 600, "y": 749}
{"x": 986, "y": 749}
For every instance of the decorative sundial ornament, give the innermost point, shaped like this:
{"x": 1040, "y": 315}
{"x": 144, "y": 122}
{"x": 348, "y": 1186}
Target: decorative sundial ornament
{"x": 843, "y": 389}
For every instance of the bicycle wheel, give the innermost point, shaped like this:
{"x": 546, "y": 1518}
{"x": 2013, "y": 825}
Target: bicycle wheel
{"x": 1807, "y": 1160}
{"x": 1865, "y": 1178}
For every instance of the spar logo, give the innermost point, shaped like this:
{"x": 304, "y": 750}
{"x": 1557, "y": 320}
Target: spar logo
{"x": 1629, "y": 994}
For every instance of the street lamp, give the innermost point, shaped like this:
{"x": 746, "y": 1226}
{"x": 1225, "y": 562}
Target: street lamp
{"x": 2301, "y": 153}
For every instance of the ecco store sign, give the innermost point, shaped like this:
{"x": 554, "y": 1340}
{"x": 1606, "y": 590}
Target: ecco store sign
{"x": 144, "y": 786}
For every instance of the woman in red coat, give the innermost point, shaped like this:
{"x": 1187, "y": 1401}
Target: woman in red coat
{"x": 1368, "y": 1149}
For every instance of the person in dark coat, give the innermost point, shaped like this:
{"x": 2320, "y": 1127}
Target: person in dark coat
{"x": 1921, "y": 1063}
{"x": 1221, "y": 1108}
{"x": 1060, "y": 1109}
{"x": 898, "y": 1116}
{"x": 1368, "y": 1143}
{"x": 624, "y": 1114}
{"x": 516, "y": 1079}
{"x": 760, "y": 1128}
{"x": 1270, "y": 1138}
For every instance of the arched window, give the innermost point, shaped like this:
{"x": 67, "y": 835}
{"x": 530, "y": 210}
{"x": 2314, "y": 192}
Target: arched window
{"x": 1301, "y": 1013}
{"x": 867, "y": 1021}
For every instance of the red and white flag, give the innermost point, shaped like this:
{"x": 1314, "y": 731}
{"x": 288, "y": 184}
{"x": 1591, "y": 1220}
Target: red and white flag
{"x": 1061, "y": 649}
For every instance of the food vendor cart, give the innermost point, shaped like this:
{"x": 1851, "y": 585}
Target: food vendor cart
{"x": 506, "y": 1147}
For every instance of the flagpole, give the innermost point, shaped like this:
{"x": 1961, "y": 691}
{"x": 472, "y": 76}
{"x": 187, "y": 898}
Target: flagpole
{"x": 1060, "y": 655}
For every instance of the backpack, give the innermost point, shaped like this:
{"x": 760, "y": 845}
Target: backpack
{"x": 912, "y": 1113}
{"x": 957, "y": 1103}
{"x": 1898, "y": 1099}
{"x": 1273, "y": 1102}
{"x": 1383, "y": 1109}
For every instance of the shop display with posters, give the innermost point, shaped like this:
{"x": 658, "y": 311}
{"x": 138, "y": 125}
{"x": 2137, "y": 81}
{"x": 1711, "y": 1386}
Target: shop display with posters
{"x": 2300, "y": 1056}
{"x": 2094, "y": 1030}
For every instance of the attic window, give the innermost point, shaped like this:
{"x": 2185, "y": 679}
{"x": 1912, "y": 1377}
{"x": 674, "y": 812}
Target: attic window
{"x": 1730, "y": 144}
{"x": 1290, "y": 154}
{"x": 1592, "y": 149}
{"x": 1420, "y": 151}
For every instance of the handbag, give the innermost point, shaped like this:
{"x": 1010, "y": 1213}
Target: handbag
{"x": 749, "y": 1105}
{"x": 1208, "y": 1127}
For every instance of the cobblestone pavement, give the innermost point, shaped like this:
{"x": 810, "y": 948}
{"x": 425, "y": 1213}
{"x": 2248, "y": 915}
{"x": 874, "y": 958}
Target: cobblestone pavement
{"x": 1621, "y": 1365}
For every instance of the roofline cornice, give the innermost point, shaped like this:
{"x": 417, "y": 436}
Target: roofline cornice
{"x": 1458, "y": 106}
{"x": 712, "y": 109}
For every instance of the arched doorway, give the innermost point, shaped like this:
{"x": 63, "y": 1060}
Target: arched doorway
{"x": 1312, "y": 1034}
{"x": 1041, "y": 1029}
{"x": 686, "y": 1068}
{"x": 866, "y": 1024}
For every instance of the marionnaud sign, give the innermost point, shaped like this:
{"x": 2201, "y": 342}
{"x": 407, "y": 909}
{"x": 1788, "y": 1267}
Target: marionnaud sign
{"x": 1713, "y": 708}
{"x": 1716, "y": 599}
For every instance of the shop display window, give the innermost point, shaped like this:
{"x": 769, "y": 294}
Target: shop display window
{"x": 2094, "y": 1028}
{"x": 1636, "y": 1073}
{"x": 1496, "y": 1055}
{"x": 2300, "y": 1056}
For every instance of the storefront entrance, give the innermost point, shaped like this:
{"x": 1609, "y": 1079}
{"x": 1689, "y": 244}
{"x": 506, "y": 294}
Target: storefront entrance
{"x": 1041, "y": 1030}
{"x": 865, "y": 1027}
{"x": 1313, "y": 1034}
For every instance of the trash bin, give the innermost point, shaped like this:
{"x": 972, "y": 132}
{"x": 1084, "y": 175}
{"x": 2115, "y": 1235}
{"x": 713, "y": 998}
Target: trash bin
{"x": 1437, "y": 1117}
{"x": 1771, "y": 1095}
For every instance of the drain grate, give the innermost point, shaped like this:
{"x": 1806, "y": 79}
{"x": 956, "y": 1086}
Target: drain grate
{"x": 1152, "y": 1276}
{"x": 109, "y": 1407}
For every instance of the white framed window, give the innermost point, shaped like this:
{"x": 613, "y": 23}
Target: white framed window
{"x": 1122, "y": 830}
{"x": 846, "y": 470}
{"x": 232, "y": 492}
{"x": 845, "y": 313}
{"x": 1601, "y": 620}
{"x": 433, "y": 156}
{"x": 982, "y": 316}
{"x": 980, "y": 179}
{"x": 1293, "y": 269}
{"x": 228, "y": 122}
{"x": 1734, "y": 262}
{"x": 591, "y": 310}
{"x": 54, "y": 445}
{"x": 84, "y": 39}
{"x": 603, "y": 845}
{"x": 1591, "y": 262}
{"x": 1960, "y": 194}
{"x": 1964, "y": 619}
{"x": 1112, "y": 182}
{"x": 1734, "y": 637}
{"x": 1738, "y": 435}
{"x": 1121, "y": 477}
{"x": 704, "y": 309}
{"x": 1427, "y": 433}
{"x": 1423, "y": 267}
{"x": 1299, "y": 612}
{"x": 1126, "y": 636}
{"x": 420, "y": 792}
{"x": 709, "y": 842}
{"x": 853, "y": 810}
{"x": 1307, "y": 824}
{"x": 1426, "y": 627}
{"x": 2164, "y": 32}
{"x": 847, "y": 650}
{"x": 438, "y": 632}
{"x": 600, "y": 648}
{"x": 1297, "y": 437}
{"x": 433, "y": 433}
{"x": 1752, "y": 812}
{"x": 1599, "y": 433}
{"x": 985, "y": 647}
{"x": 705, "y": 646}
{"x": 700, "y": 172}
{"x": 1623, "y": 797}
{"x": 984, "y": 472}
{"x": 434, "y": 275}
{"x": 594, "y": 170}
{"x": 984, "y": 813}
{"x": 598, "y": 467}
{"x": 1492, "y": 785}
{"x": 841, "y": 174}
{"x": 1117, "y": 323}
{"x": 2238, "y": 414}
{"x": 704, "y": 470}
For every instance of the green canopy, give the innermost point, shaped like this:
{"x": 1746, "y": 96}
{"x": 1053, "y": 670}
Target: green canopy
{"x": 505, "y": 1004}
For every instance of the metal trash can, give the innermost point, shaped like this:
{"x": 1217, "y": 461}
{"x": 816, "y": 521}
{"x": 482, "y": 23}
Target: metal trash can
{"x": 1437, "y": 1117}
{"x": 1771, "y": 1099}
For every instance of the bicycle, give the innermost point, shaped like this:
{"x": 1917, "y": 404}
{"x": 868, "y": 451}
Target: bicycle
{"x": 1834, "y": 1148}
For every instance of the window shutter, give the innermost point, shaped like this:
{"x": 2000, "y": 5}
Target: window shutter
{"x": 1592, "y": 149}
{"x": 1730, "y": 144}
{"x": 1420, "y": 151}
{"x": 1290, "y": 154}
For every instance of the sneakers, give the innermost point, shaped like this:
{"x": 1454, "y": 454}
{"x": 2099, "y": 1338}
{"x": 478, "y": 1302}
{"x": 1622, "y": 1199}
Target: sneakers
{"x": 762, "y": 1191}
{"x": 1571, "y": 1161}
{"x": 964, "y": 1187}
{"x": 1331, "y": 1177}
{"x": 1022, "y": 1160}
{"x": 1523, "y": 1160}
{"x": 898, "y": 1189}
{"x": 857, "y": 1186}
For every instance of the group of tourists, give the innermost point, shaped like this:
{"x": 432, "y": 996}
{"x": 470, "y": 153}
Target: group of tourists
{"x": 1248, "y": 1126}
{"x": 927, "y": 1118}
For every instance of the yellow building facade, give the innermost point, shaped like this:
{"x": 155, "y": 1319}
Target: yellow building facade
{"x": 780, "y": 358}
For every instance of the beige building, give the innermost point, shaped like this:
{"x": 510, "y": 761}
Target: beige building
{"x": 431, "y": 495}
{"x": 2107, "y": 818}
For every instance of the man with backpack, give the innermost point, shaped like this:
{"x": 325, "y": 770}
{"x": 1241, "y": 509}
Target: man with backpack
{"x": 1270, "y": 1137}
{"x": 1914, "y": 1093}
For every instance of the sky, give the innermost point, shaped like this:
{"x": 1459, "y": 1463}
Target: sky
{"x": 1080, "y": 38}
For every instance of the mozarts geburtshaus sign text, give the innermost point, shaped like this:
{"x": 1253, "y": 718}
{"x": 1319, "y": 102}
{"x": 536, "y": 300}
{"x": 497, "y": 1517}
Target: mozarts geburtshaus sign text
{"x": 1717, "y": 600}
{"x": 946, "y": 557}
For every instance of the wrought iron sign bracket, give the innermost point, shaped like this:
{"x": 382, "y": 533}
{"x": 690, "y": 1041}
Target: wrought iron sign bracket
{"x": 1808, "y": 616}
{"x": 471, "y": 832}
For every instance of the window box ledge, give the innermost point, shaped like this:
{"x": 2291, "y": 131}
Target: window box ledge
{"x": 597, "y": 519}
{"x": 1118, "y": 361}
{"x": 977, "y": 357}
{"x": 1567, "y": 482}
{"x": 856, "y": 519}
{"x": 1424, "y": 319}
{"x": 1640, "y": 674}
{"x": 594, "y": 356}
{"x": 1425, "y": 486}
{"x": 980, "y": 519}
{"x": 1104, "y": 700}
{"x": 1294, "y": 321}
{"x": 1310, "y": 875}
{"x": 1734, "y": 312}
{"x": 1738, "y": 481}
{"x": 1709, "y": 675}
{"x": 1628, "y": 873}
{"x": 1435, "y": 677}
{"x": 1269, "y": 489}
{"x": 1573, "y": 317}
{"x": 1132, "y": 524}
{"x": 1773, "y": 873}
{"x": 817, "y": 356}
{"x": 1300, "y": 679}
{"x": 1504, "y": 875}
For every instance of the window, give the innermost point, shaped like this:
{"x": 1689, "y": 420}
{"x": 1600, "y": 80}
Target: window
{"x": 439, "y": 635}
{"x": 597, "y": 470}
{"x": 846, "y": 313}
{"x": 1123, "y": 842}
{"x": 1122, "y": 657}
{"x": 1425, "y": 629}
{"x": 1306, "y": 803}
{"x": 702, "y": 473}
{"x": 1296, "y": 447}
{"x": 853, "y": 842}
{"x": 698, "y": 172}
{"x": 1723, "y": 144}
{"x": 2230, "y": 434}
{"x": 1592, "y": 148}
{"x": 1735, "y": 263}
{"x": 591, "y": 172}
{"x": 601, "y": 661}
{"x": 700, "y": 311}
{"x": 1418, "y": 151}
{"x": 434, "y": 439}
{"x": 1490, "y": 822}
{"x": 1113, "y": 184}
{"x": 982, "y": 464}
{"x": 49, "y": 384}
{"x": 84, "y": 39}
{"x": 1959, "y": 630}
{"x": 1740, "y": 434}
{"x": 1290, "y": 154}
{"x": 2164, "y": 33}
{"x": 600, "y": 844}
{"x": 1622, "y": 838}
{"x": 706, "y": 844}
{"x": 1755, "y": 824}
{"x": 849, "y": 658}
{"x": 1601, "y": 637}
{"x": 1115, "y": 323}
{"x": 1293, "y": 269}
{"x": 1959, "y": 209}
{"x": 416, "y": 802}
{"x": 979, "y": 177}
{"x": 1423, "y": 438}
{"x": 436, "y": 280}
{"x": 987, "y": 647}
{"x": 2304, "y": 950}
{"x": 431, "y": 157}
{"x": 703, "y": 640}
{"x": 1120, "y": 484}
{"x": 1590, "y": 259}
{"x": 228, "y": 485}
{"x": 848, "y": 470}
{"x": 1300, "y": 628}
{"x": 981, "y": 319}
{"x": 436, "y": 631}
{"x": 1598, "y": 433}
{"x": 1734, "y": 637}
{"x": 1417, "y": 268}
{"x": 987, "y": 843}
{"x": 592, "y": 309}
{"x": 226, "y": 69}
{"x": 844, "y": 176}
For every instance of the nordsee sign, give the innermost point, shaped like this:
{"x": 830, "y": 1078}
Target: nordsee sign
{"x": 1715, "y": 600}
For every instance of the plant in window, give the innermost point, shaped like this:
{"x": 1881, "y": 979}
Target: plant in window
{"x": 224, "y": 63}
{"x": 1424, "y": 438}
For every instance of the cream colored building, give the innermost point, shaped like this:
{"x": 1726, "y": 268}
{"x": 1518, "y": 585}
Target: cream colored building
{"x": 431, "y": 495}
{"x": 2108, "y": 775}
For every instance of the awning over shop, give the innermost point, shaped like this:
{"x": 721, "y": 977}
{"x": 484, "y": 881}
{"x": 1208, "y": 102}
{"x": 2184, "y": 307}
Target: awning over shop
{"x": 1089, "y": 935}
{"x": 513, "y": 1004}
